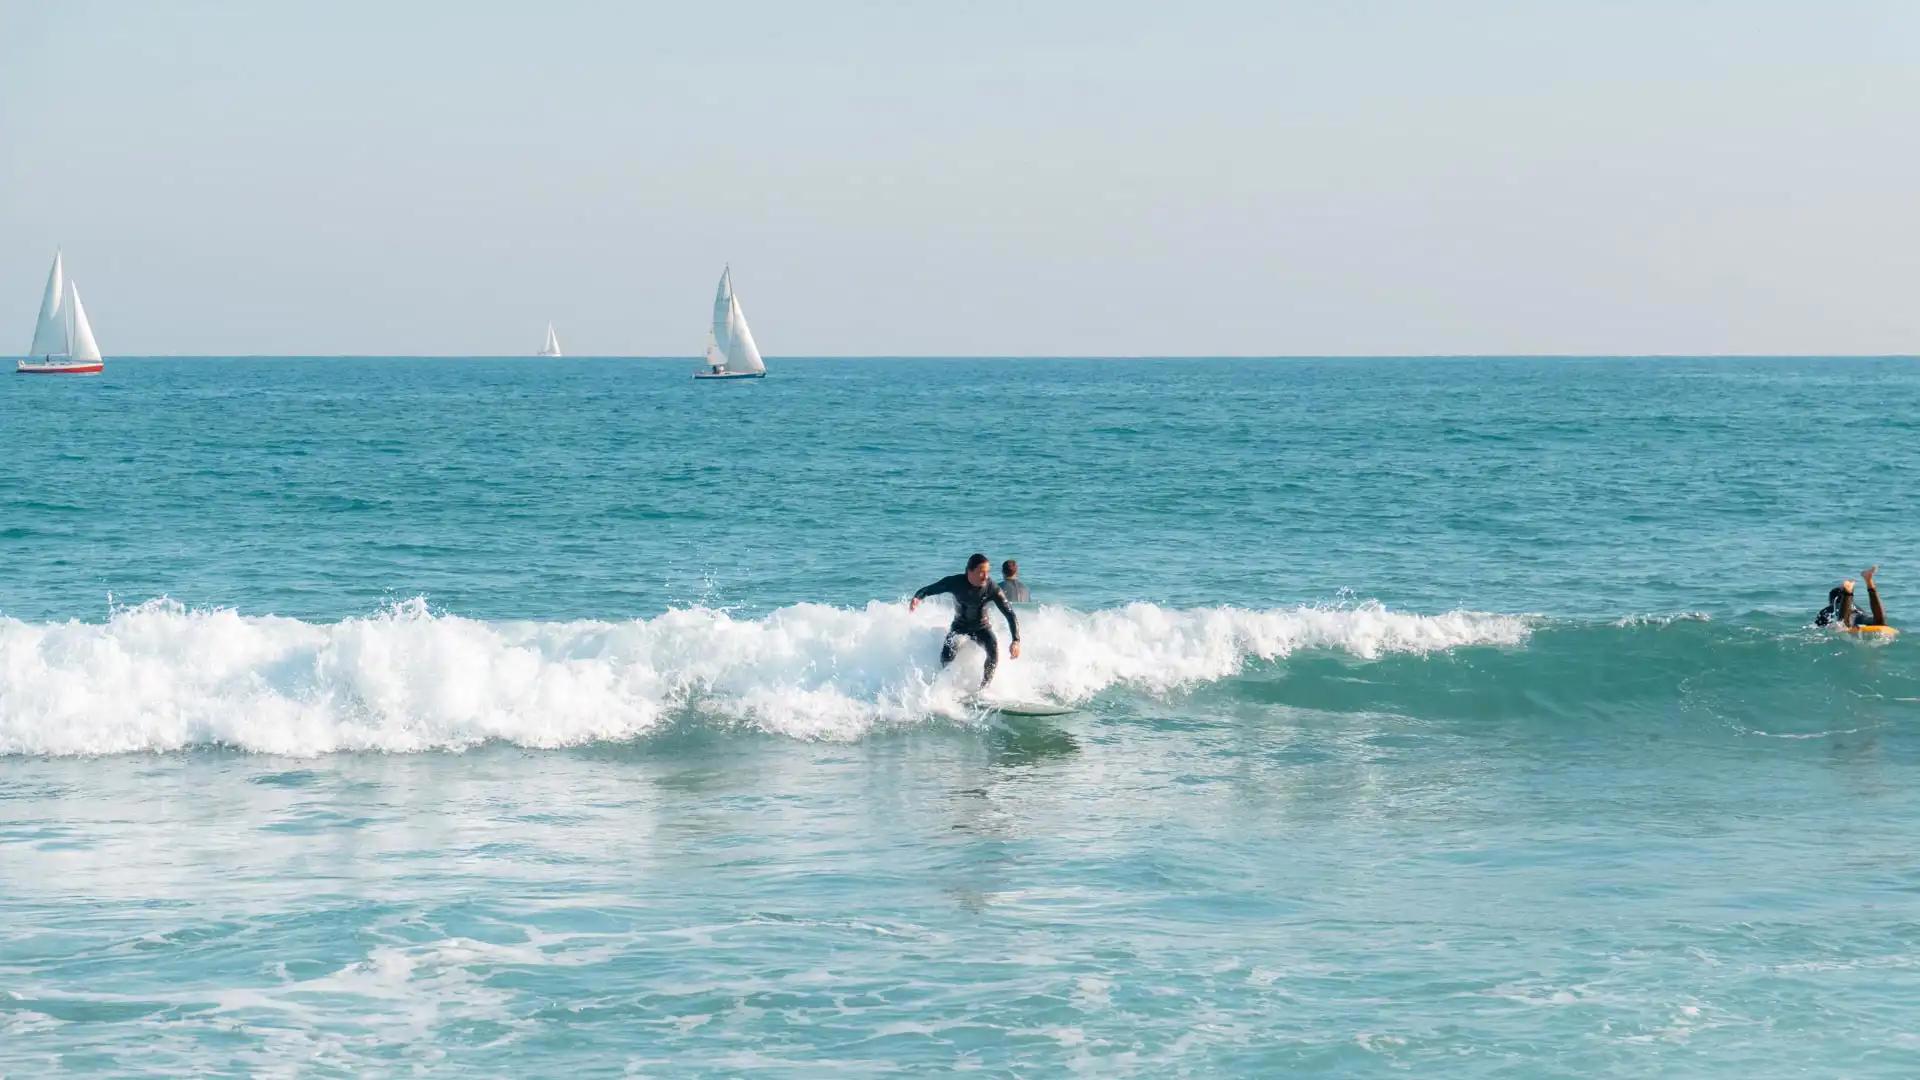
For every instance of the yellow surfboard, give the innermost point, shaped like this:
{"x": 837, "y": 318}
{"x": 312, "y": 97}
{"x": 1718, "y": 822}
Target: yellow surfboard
{"x": 1887, "y": 630}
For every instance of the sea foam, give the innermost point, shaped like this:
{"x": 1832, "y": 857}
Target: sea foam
{"x": 160, "y": 676}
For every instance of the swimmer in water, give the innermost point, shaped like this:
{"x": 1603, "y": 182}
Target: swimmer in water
{"x": 1840, "y": 612}
{"x": 1010, "y": 583}
{"x": 972, "y": 592}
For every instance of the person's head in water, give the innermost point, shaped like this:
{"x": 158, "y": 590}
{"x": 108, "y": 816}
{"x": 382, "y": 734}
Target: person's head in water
{"x": 977, "y": 573}
{"x": 1009, "y": 570}
{"x": 1831, "y": 613}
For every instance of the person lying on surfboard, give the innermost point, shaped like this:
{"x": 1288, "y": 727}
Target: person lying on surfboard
{"x": 1841, "y": 613}
{"x": 972, "y": 592}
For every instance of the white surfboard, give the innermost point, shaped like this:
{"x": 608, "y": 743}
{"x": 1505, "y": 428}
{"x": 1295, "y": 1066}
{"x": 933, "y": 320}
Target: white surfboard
{"x": 1025, "y": 708}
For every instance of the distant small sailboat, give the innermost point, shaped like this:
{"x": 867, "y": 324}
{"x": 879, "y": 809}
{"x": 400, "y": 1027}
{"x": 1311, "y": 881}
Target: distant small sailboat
{"x": 552, "y": 347}
{"x": 62, "y": 340}
{"x": 731, "y": 353}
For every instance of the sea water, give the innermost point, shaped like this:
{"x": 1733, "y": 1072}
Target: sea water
{"x": 565, "y": 717}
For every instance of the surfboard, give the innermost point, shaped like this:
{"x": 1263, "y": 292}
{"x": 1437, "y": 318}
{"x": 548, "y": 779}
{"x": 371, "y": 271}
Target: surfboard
{"x": 1887, "y": 630}
{"x": 1025, "y": 708}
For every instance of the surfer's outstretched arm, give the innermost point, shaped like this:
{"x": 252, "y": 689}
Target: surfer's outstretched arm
{"x": 1013, "y": 623}
{"x": 944, "y": 587}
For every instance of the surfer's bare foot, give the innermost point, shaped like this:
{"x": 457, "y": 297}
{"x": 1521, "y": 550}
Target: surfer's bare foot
{"x": 1847, "y": 584}
{"x": 1868, "y": 575}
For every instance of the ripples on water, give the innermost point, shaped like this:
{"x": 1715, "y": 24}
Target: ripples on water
{"x": 1467, "y": 723}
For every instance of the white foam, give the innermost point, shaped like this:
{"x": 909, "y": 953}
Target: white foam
{"x": 161, "y": 677}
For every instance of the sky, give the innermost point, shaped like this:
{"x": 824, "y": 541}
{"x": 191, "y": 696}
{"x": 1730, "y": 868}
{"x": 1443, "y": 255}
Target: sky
{"x": 1074, "y": 177}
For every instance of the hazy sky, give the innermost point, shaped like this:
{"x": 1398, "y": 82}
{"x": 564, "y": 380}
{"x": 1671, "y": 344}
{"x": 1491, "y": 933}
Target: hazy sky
{"x": 1097, "y": 177}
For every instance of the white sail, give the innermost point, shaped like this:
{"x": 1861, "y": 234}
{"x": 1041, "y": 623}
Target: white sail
{"x": 50, "y": 333}
{"x": 552, "y": 346}
{"x": 722, "y": 332}
{"x": 742, "y": 354}
{"x": 730, "y": 346}
{"x": 80, "y": 337}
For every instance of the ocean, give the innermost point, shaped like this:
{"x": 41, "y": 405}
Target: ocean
{"x": 1438, "y": 716}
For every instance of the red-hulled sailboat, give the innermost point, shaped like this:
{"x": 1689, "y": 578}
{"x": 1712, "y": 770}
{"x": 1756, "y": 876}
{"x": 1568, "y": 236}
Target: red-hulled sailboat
{"x": 62, "y": 340}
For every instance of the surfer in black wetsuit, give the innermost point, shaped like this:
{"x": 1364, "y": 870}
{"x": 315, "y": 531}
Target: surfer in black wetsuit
{"x": 972, "y": 592}
{"x": 1840, "y": 610}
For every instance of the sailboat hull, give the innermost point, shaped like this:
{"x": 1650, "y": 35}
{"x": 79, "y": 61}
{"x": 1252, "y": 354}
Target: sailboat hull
{"x": 731, "y": 375}
{"x": 25, "y": 368}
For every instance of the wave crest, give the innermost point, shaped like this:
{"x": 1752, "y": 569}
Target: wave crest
{"x": 160, "y": 677}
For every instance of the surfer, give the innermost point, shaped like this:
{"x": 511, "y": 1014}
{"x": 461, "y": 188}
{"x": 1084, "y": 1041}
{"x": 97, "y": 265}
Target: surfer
{"x": 1840, "y": 611}
{"x": 1010, "y": 583}
{"x": 972, "y": 592}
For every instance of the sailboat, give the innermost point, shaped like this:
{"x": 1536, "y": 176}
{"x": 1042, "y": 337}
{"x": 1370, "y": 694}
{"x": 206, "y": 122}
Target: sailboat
{"x": 62, "y": 340}
{"x": 552, "y": 347}
{"x": 731, "y": 353}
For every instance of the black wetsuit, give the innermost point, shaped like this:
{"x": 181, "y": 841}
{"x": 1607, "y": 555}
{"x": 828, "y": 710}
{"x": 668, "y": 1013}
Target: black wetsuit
{"x": 1840, "y": 610}
{"x": 970, "y": 617}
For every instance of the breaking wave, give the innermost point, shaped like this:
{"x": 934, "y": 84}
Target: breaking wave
{"x": 160, "y": 677}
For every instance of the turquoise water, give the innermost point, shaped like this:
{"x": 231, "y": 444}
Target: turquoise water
{"x": 1449, "y": 717}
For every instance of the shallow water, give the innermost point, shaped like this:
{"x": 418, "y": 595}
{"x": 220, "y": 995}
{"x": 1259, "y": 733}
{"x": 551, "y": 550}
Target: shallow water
{"x": 1442, "y": 716}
